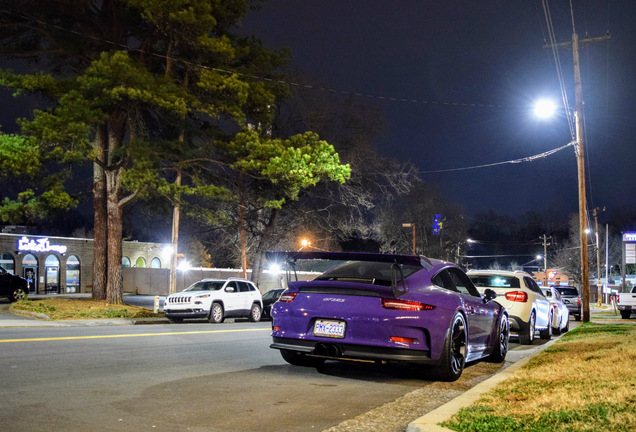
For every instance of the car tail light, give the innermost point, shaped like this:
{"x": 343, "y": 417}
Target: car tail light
{"x": 287, "y": 297}
{"x": 578, "y": 302}
{"x": 517, "y": 296}
{"x": 405, "y": 305}
{"x": 402, "y": 339}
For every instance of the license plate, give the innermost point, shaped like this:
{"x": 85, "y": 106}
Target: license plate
{"x": 328, "y": 328}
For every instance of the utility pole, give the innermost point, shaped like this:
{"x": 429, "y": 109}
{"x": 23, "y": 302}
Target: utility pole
{"x": 545, "y": 259}
{"x": 599, "y": 285}
{"x": 580, "y": 161}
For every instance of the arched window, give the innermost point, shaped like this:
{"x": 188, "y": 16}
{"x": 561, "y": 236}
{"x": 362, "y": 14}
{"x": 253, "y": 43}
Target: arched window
{"x": 7, "y": 262}
{"x": 73, "y": 274}
{"x": 125, "y": 262}
{"x": 52, "y": 271}
{"x": 141, "y": 262}
{"x": 30, "y": 272}
{"x": 155, "y": 263}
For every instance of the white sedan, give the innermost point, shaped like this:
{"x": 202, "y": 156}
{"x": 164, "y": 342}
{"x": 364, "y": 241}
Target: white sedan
{"x": 561, "y": 314}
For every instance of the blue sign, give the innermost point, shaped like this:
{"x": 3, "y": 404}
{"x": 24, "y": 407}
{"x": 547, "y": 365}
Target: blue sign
{"x": 438, "y": 224}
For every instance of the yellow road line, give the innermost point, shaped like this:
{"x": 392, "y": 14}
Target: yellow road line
{"x": 129, "y": 335}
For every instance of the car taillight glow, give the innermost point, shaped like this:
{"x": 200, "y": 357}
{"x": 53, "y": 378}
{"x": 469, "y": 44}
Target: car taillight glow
{"x": 287, "y": 297}
{"x": 402, "y": 339}
{"x": 578, "y": 302}
{"x": 405, "y": 305}
{"x": 517, "y": 296}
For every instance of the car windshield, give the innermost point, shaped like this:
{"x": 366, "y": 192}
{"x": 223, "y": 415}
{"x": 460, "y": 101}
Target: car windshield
{"x": 272, "y": 294}
{"x": 495, "y": 281}
{"x": 206, "y": 286}
{"x": 568, "y": 291}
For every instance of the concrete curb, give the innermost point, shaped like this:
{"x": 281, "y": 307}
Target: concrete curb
{"x": 429, "y": 422}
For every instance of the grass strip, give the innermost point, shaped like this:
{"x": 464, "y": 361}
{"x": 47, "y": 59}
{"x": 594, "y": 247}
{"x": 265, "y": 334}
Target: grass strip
{"x": 64, "y": 309}
{"x": 584, "y": 382}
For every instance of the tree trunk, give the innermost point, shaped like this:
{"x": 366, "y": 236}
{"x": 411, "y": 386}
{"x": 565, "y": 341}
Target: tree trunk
{"x": 115, "y": 287}
{"x": 100, "y": 250}
{"x": 259, "y": 253}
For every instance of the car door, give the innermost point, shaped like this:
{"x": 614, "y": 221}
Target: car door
{"x": 232, "y": 297}
{"x": 480, "y": 316}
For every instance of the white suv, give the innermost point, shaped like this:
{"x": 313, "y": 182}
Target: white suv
{"x": 528, "y": 309}
{"x": 215, "y": 299}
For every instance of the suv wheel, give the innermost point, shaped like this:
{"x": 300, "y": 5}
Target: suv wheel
{"x": 216, "y": 313}
{"x": 255, "y": 313}
{"x": 527, "y": 337}
{"x": 18, "y": 294}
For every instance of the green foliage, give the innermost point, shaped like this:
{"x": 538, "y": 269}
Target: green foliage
{"x": 19, "y": 155}
{"x": 295, "y": 163}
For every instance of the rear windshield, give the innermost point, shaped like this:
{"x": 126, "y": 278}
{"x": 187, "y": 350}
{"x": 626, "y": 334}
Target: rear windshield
{"x": 377, "y": 273}
{"x": 495, "y": 281}
{"x": 568, "y": 291}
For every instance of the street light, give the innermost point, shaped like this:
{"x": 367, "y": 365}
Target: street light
{"x": 411, "y": 225}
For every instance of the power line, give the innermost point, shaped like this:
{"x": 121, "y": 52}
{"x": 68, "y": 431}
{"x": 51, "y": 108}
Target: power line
{"x": 269, "y": 79}
{"x": 514, "y": 161}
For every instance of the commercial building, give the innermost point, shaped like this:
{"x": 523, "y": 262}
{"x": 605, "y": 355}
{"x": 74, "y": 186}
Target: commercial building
{"x": 64, "y": 264}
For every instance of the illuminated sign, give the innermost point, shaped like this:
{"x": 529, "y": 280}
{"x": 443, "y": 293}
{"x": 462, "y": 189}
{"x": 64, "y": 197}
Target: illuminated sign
{"x": 438, "y": 224}
{"x": 39, "y": 245}
{"x": 629, "y": 237}
{"x": 552, "y": 274}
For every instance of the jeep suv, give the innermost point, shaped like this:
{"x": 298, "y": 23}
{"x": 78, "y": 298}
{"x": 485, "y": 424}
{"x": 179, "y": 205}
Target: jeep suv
{"x": 215, "y": 300}
{"x": 572, "y": 299}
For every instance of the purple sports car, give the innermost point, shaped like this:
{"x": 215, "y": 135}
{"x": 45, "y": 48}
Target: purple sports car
{"x": 389, "y": 308}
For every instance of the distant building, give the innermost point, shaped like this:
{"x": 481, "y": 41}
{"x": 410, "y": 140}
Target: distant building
{"x": 554, "y": 278}
{"x": 64, "y": 264}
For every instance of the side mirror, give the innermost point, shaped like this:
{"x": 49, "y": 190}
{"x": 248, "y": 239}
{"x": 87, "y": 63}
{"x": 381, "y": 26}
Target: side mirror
{"x": 230, "y": 289}
{"x": 489, "y": 295}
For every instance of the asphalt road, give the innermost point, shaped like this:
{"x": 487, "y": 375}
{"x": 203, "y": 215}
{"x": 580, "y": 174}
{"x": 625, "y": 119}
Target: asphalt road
{"x": 189, "y": 377}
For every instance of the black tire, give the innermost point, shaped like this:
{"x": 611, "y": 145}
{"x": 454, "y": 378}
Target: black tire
{"x": 175, "y": 320}
{"x": 625, "y": 314}
{"x": 217, "y": 314}
{"x": 453, "y": 357}
{"x": 527, "y": 337}
{"x": 19, "y": 294}
{"x": 255, "y": 313}
{"x": 567, "y": 326}
{"x": 300, "y": 359}
{"x": 577, "y": 317}
{"x": 503, "y": 335}
{"x": 557, "y": 330}
{"x": 547, "y": 332}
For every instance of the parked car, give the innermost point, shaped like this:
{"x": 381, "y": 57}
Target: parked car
{"x": 572, "y": 299}
{"x": 388, "y": 308}
{"x": 215, "y": 300}
{"x": 561, "y": 314}
{"x": 527, "y": 307}
{"x": 12, "y": 287}
{"x": 626, "y": 303}
{"x": 269, "y": 298}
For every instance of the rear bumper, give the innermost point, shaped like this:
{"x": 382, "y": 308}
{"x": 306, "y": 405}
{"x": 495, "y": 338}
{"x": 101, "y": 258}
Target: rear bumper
{"x": 343, "y": 351}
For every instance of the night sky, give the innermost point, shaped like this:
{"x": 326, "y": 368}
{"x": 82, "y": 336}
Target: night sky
{"x": 466, "y": 75}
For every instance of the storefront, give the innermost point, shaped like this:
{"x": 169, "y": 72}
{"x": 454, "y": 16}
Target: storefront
{"x": 61, "y": 265}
